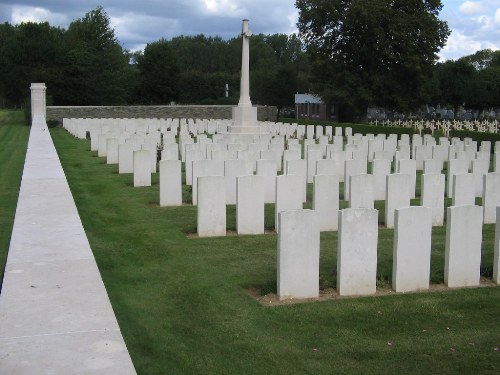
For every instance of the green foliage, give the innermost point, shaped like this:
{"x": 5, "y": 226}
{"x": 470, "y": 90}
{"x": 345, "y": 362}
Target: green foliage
{"x": 472, "y": 81}
{"x": 158, "y": 74}
{"x": 373, "y": 52}
{"x": 95, "y": 67}
{"x": 28, "y": 53}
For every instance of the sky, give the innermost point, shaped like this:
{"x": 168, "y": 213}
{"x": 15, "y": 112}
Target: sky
{"x": 475, "y": 25}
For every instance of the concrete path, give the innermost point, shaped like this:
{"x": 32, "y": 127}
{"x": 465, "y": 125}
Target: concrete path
{"x": 55, "y": 314}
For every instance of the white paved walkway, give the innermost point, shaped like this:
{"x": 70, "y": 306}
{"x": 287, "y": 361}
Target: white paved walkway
{"x": 55, "y": 314}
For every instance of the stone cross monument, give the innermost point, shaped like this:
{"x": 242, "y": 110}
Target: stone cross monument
{"x": 244, "y": 115}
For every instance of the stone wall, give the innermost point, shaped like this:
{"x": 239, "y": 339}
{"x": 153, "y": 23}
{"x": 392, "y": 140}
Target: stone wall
{"x": 177, "y": 111}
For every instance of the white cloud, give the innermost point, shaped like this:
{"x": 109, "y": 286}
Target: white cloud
{"x": 36, "y": 14}
{"x": 223, "y": 7}
{"x": 460, "y": 45}
{"x": 472, "y": 7}
{"x": 497, "y": 16}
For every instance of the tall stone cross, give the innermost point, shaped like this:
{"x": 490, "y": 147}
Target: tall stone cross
{"x": 245, "y": 68}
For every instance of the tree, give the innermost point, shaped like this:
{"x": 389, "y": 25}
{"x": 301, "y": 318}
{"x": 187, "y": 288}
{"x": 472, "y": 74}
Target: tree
{"x": 158, "y": 74}
{"x": 372, "y": 52}
{"x": 96, "y": 68}
{"x": 27, "y": 54}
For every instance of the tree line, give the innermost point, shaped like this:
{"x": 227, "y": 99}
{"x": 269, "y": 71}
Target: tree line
{"x": 353, "y": 54}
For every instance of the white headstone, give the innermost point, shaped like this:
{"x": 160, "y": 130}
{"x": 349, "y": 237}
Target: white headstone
{"x": 412, "y": 249}
{"x": 463, "y": 190}
{"x": 397, "y": 196}
{"x": 288, "y": 195}
{"x": 298, "y": 254}
{"x": 433, "y": 196}
{"x": 357, "y": 251}
{"x": 211, "y": 218}
{"x": 361, "y": 193}
{"x": 250, "y": 204}
{"x": 170, "y": 183}
{"x": 496, "y": 256}
{"x": 463, "y": 246}
{"x": 267, "y": 169}
{"x": 491, "y": 196}
{"x": 326, "y": 201}
{"x": 381, "y": 168}
{"x": 142, "y": 168}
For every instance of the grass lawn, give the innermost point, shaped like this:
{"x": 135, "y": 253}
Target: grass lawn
{"x": 183, "y": 308}
{"x": 13, "y": 143}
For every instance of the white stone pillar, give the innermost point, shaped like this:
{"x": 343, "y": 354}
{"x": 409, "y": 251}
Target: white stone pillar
{"x": 38, "y": 104}
{"x": 361, "y": 191}
{"x": 463, "y": 190}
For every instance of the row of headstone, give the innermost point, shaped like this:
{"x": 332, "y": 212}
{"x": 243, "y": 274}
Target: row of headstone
{"x": 298, "y": 250}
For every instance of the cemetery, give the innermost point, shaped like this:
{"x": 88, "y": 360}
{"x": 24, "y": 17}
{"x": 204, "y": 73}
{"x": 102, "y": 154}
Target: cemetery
{"x": 214, "y": 245}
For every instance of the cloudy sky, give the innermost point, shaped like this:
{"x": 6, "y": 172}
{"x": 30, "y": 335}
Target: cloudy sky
{"x": 475, "y": 25}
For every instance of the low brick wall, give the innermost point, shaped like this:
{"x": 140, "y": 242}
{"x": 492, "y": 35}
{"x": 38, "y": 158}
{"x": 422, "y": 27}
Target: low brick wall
{"x": 177, "y": 111}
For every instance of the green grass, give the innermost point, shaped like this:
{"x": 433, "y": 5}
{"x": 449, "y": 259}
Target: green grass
{"x": 182, "y": 304}
{"x": 13, "y": 142}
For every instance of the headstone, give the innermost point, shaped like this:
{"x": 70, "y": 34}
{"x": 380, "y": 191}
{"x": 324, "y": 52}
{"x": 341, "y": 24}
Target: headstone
{"x": 312, "y": 157}
{"x": 202, "y": 168}
{"x": 463, "y": 190}
{"x": 381, "y": 168}
{"x": 299, "y": 168}
{"x": 326, "y": 166}
{"x": 463, "y": 246}
{"x": 267, "y": 169}
{"x": 170, "y": 152}
{"x": 326, "y": 201}
{"x": 232, "y": 170}
{"x": 357, "y": 251}
{"x": 352, "y": 167}
{"x": 491, "y": 196}
{"x": 433, "y": 196}
{"x": 412, "y": 249}
{"x": 479, "y": 169}
{"x": 433, "y": 166}
{"x": 211, "y": 218}
{"x": 112, "y": 151}
{"x": 192, "y": 155}
{"x": 496, "y": 256}
{"x": 455, "y": 166}
{"x": 288, "y": 195}
{"x": 126, "y": 157}
{"x": 298, "y": 254}
{"x": 250, "y": 204}
{"x": 361, "y": 194}
{"x": 397, "y": 196}
{"x": 170, "y": 183}
{"x": 409, "y": 167}
{"x": 142, "y": 168}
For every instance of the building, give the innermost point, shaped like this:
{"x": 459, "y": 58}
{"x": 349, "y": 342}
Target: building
{"x": 311, "y": 107}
